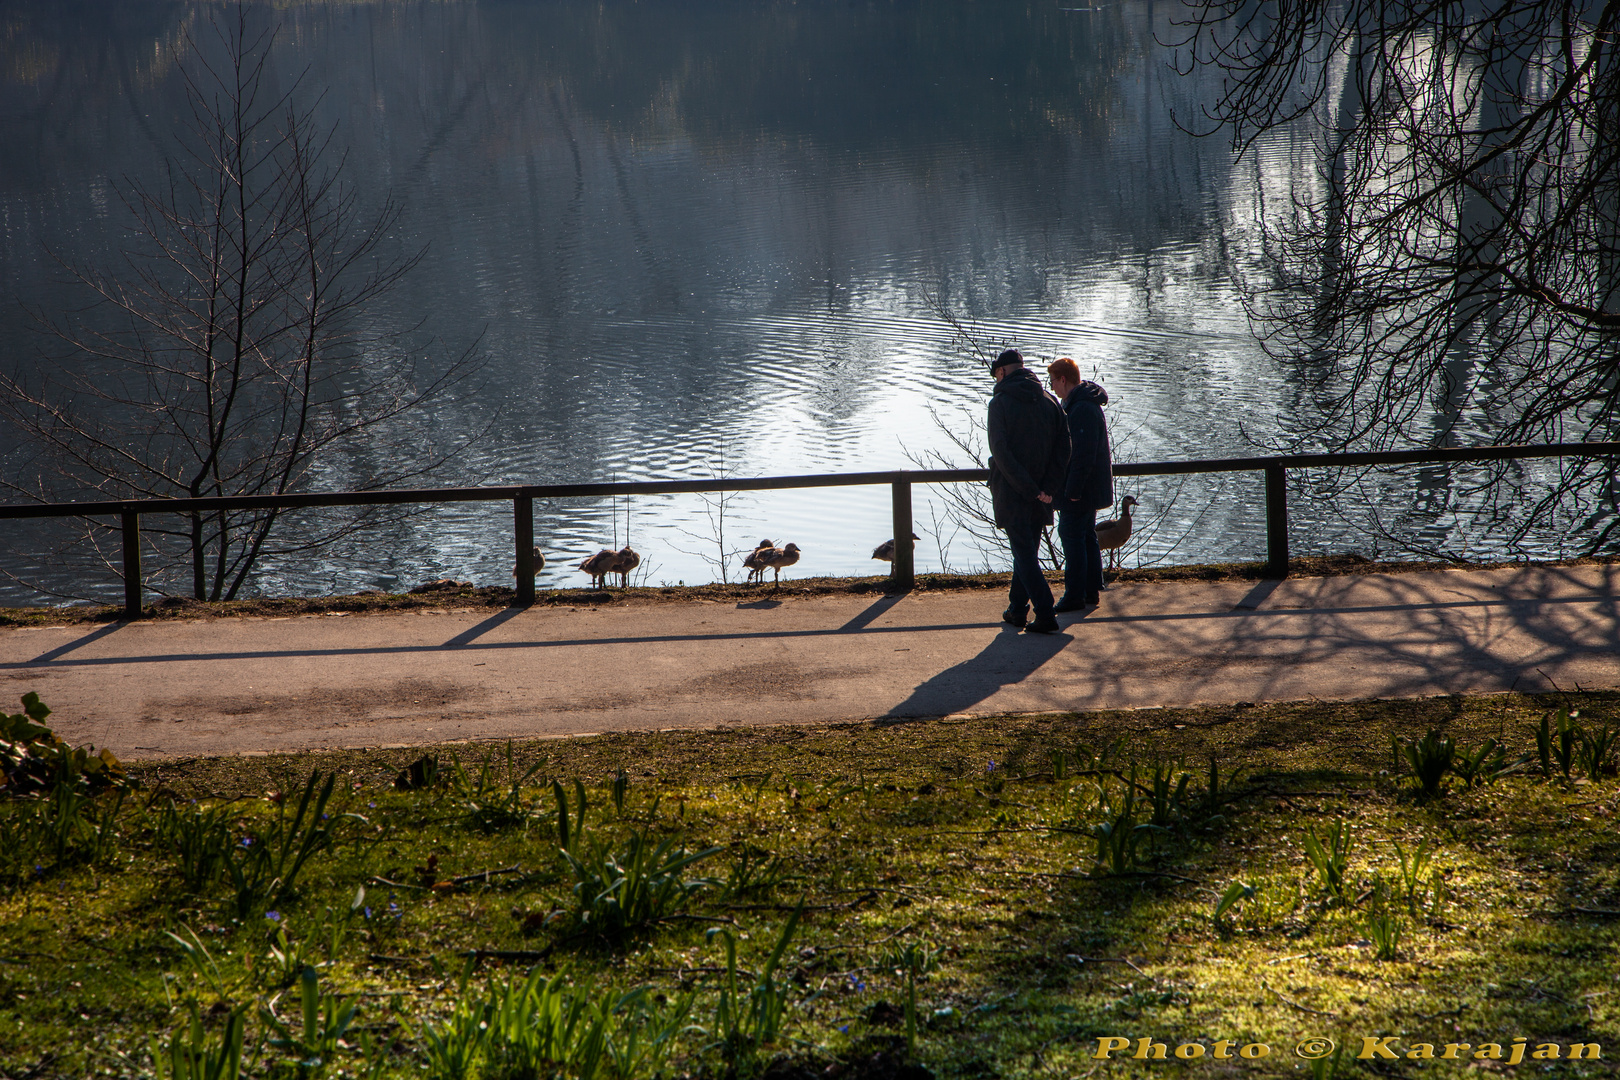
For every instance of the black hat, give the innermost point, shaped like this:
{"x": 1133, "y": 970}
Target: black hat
{"x": 1011, "y": 356}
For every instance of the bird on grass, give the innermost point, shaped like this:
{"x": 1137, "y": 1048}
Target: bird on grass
{"x": 755, "y": 562}
{"x": 599, "y": 566}
{"x": 1112, "y": 534}
{"x": 625, "y": 561}
{"x": 777, "y": 558}
{"x": 885, "y": 550}
{"x": 539, "y": 562}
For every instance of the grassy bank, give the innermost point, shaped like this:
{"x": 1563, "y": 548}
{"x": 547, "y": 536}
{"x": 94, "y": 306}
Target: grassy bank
{"x": 974, "y": 898}
{"x": 466, "y": 594}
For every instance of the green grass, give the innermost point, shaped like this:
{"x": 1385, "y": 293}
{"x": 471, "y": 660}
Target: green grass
{"x": 980, "y": 897}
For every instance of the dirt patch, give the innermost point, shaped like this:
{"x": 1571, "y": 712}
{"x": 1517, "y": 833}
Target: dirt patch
{"x": 777, "y": 681}
{"x": 338, "y": 703}
{"x": 771, "y": 681}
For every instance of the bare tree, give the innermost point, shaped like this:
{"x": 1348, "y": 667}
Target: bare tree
{"x": 717, "y": 506}
{"x": 1451, "y": 276}
{"x": 228, "y": 353}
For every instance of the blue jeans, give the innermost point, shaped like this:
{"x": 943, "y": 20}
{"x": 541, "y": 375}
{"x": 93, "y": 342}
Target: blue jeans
{"x": 1082, "y": 558}
{"x": 1028, "y": 583}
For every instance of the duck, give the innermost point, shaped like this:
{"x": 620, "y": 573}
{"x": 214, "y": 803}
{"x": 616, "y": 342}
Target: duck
{"x": 1112, "y": 534}
{"x": 777, "y": 558}
{"x": 539, "y": 562}
{"x": 599, "y": 566}
{"x": 885, "y": 550}
{"x": 625, "y": 561}
{"x": 755, "y": 562}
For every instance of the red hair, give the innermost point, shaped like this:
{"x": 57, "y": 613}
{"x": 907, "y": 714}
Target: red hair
{"x": 1064, "y": 369}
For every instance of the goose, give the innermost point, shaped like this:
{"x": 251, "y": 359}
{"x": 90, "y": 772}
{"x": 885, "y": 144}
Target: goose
{"x": 625, "y": 561}
{"x": 777, "y": 558}
{"x": 885, "y": 550}
{"x": 599, "y": 566}
{"x": 755, "y": 562}
{"x": 1112, "y": 534}
{"x": 539, "y": 562}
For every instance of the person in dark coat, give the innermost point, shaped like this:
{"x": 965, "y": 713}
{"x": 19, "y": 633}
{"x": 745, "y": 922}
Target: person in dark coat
{"x": 1029, "y": 456}
{"x": 1088, "y": 487}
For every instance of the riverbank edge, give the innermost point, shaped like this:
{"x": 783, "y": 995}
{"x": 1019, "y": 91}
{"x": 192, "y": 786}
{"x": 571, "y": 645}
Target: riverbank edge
{"x": 465, "y": 595}
{"x": 448, "y": 593}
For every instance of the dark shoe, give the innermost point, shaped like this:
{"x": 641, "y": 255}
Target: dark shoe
{"x": 1066, "y": 604}
{"x": 1015, "y": 618}
{"x": 1091, "y": 599}
{"x": 1043, "y": 624}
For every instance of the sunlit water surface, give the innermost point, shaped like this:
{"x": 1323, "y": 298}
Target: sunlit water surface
{"x": 703, "y": 239}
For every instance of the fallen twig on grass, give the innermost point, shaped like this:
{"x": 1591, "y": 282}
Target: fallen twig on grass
{"x": 485, "y": 875}
{"x": 870, "y": 894}
{"x": 517, "y": 956}
{"x": 399, "y": 884}
{"x": 379, "y": 958}
{"x": 1297, "y": 1005}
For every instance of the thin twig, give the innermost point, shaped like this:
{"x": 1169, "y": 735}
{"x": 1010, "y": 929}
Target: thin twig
{"x": 1285, "y": 959}
{"x": 399, "y": 884}
{"x": 519, "y": 956}
{"x": 1297, "y": 1005}
{"x": 485, "y": 875}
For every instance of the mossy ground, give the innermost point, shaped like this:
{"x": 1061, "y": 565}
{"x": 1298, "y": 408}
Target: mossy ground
{"x": 965, "y": 836}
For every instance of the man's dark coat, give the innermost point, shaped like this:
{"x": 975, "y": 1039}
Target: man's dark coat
{"x": 1029, "y": 449}
{"x": 1090, "y": 484}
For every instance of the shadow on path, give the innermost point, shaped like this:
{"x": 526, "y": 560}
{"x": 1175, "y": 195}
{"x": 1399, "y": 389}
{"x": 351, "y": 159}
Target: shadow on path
{"x": 1009, "y": 658}
{"x": 78, "y": 643}
{"x": 473, "y": 633}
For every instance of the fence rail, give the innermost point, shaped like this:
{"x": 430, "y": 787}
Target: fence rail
{"x": 522, "y": 496}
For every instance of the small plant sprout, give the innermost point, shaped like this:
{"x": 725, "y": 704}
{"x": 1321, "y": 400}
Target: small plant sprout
{"x": 1412, "y": 868}
{"x": 620, "y": 789}
{"x": 1592, "y": 754}
{"x": 617, "y": 894}
{"x": 1486, "y": 763}
{"x": 1119, "y": 835}
{"x": 1428, "y": 758}
{"x": 1327, "y": 1068}
{"x": 1330, "y": 855}
{"x": 912, "y": 963}
{"x": 325, "y": 1019}
{"x": 193, "y": 1053}
{"x": 1384, "y": 926}
{"x": 1235, "y": 893}
{"x": 745, "y": 1025}
{"x": 491, "y": 804}
{"x": 1557, "y": 737}
{"x": 569, "y": 832}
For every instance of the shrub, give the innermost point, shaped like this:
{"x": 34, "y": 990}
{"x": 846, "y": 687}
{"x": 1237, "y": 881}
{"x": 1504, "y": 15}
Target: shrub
{"x": 33, "y": 758}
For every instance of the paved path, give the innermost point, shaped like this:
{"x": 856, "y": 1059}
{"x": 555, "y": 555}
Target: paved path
{"x": 228, "y": 685}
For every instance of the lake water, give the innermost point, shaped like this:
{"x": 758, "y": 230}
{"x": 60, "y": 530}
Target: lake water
{"x": 711, "y": 237}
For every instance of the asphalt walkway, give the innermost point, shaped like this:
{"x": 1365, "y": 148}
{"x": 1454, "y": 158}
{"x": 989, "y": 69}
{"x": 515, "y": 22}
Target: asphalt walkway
{"x": 220, "y": 686}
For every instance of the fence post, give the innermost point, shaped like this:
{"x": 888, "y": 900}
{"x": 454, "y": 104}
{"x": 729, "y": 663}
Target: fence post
{"x": 131, "y": 522}
{"x": 905, "y": 573}
{"x": 1276, "y": 522}
{"x": 523, "y": 529}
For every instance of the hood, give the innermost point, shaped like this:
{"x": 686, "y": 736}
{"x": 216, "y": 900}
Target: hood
{"x": 1021, "y": 385}
{"x": 1090, "y": 391}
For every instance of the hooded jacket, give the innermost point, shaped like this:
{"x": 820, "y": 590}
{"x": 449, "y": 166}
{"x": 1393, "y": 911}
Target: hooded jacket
{"x": 1090, "y": 482}
{"x": 1029, "y": 449}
